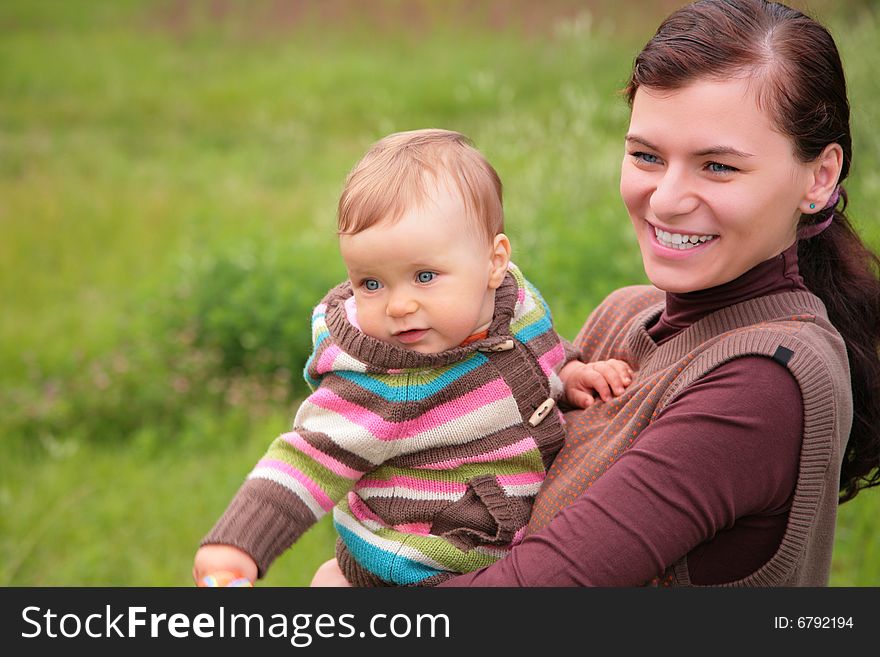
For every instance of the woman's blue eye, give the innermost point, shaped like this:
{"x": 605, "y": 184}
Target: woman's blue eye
{"x": 717, "y": 167}
{"x": 371, "y": 284}
{"x": 647, "y": 158}
{"x": 426, "y": 276}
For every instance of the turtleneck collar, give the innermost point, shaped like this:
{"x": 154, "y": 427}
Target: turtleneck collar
{"x": 774, "y": 276}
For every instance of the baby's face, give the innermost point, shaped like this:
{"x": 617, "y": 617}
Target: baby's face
{"x": 423, "y": 283}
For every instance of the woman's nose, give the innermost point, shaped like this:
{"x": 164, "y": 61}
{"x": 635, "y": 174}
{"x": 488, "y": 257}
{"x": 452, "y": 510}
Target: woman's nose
{"x": 673, "y": 195}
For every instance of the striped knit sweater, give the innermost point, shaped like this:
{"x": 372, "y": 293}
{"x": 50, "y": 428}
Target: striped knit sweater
{"x": 432, "y": 461}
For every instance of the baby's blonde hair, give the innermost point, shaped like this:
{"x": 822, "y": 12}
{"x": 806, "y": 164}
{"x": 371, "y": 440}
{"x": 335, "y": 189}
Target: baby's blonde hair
{"x": 399, "y": 171}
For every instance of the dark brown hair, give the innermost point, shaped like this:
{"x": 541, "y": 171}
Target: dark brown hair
{"x": 802, "y": 86}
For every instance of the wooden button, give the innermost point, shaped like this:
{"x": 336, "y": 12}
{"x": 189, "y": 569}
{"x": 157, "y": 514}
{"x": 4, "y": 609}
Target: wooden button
{"x": 542, "y": 411}
{"x": 507, "y": 345}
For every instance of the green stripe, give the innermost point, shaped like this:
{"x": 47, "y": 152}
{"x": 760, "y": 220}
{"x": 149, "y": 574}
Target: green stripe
{"x": 434, "y": 547}
{"x": 527, "y": 462}
{"x": 332, "y": 484}
{"x": 419, "y": 375}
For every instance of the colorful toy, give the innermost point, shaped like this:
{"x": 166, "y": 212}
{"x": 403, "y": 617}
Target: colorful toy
{"x": 224, "y": 579}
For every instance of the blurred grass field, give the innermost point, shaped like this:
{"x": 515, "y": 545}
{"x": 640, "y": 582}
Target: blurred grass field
{"x": 168, "y": 178}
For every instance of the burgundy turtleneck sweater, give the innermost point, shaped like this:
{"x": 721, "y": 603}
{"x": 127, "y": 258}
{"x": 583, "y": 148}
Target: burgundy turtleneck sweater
{"x": 737, "y": 487}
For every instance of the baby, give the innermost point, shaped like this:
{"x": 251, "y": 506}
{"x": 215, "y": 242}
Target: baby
{"x": 435, "y": 372}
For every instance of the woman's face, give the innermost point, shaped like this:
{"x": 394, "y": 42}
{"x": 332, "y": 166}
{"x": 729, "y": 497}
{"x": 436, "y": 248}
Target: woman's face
{"x": 711, "y": 186}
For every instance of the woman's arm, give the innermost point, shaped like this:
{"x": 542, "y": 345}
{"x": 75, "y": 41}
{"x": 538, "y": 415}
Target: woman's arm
{"x": 725, "y": 450}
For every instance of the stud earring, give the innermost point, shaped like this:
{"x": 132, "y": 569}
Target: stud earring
{"x": 812, "y": 206}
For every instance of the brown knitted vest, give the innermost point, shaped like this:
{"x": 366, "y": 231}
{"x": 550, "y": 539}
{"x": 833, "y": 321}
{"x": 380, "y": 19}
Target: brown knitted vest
{"x": 793, "y": 329}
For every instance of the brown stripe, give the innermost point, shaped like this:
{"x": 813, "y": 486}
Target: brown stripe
{"x": 398, "y": 510}
{"x": 322, "y": 442}
{"x": 467, "y": 512}
{"x": 543, "y": 343}
{"x": 480, "y": 446}
{"x": 404, "y": 409}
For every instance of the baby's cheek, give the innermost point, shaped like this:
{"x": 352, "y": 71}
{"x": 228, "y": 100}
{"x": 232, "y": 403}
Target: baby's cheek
{"x": 370, "y": 321}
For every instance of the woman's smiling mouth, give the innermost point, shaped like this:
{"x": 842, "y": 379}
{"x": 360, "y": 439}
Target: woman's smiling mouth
{"x": 681, "y": 241}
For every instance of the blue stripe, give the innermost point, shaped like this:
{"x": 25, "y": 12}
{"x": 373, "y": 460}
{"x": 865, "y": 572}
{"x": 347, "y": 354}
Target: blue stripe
{"x": 323, "y": 335}
{"x": 414, "y": 391}
{"x": 387, "y": 565}
{"x": 534, "y": 329}
{"x": 312, "y": 383}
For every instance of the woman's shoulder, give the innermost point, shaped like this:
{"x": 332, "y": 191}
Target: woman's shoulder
{"x": 630, "y": 300}
{"x": 639, "y": 294}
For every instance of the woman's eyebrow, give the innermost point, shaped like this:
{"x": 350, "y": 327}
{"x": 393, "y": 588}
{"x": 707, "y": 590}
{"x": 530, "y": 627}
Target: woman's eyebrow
{"x": 712, "y": 150}
{"x": 642, "y": 141}
{"x": 723, "y": 150}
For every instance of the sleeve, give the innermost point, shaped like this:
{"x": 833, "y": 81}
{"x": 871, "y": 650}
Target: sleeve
{"x": 721, "y": 451}
{"x": 571, "y": 352}
{"x": 302, "y": 475}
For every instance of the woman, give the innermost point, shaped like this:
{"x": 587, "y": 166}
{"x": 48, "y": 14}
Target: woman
{"x": 756, "y": 405}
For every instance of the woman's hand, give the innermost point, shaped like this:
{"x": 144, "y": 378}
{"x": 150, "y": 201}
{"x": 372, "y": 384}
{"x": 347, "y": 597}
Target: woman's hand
{"x": 329, "y": 574}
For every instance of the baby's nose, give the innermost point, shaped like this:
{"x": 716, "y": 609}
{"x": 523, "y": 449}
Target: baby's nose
{"x": 400, "y": 305}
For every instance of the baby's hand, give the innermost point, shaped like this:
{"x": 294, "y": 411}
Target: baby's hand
{"x": 607, "y": 378}
{"x": 329, "y": 574}
{"x": 211, "y": 559}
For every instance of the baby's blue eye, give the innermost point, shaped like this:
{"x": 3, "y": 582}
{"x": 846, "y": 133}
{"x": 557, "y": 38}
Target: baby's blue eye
{"x": 371, "y": 284}
{"x": 426, "y": 276}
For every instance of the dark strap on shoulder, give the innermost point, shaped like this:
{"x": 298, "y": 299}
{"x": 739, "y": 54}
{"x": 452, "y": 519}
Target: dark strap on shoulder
{"x": 782, "y": 355}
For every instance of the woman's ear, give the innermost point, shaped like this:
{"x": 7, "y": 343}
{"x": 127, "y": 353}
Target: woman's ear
{"x": 499, "y": 260}
{"x": 826, "y": 172}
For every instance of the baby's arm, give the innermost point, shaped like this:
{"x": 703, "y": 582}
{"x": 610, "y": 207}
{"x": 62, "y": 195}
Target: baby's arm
{"x": 212, "y": 559}
{"x": 303, "y": 474}
{"x": 607, "y": 378}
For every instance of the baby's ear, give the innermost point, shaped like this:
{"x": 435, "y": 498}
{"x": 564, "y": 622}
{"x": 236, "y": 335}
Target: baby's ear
{"x": 499, "y": 260}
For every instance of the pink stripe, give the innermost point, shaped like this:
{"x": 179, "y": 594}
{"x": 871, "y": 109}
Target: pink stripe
{"x": 360, "y": 510}
{"x": 324, "y": 459}
{"x": 420, "y": 528}
{"x": 384, "y": 430}
{"x": 551, "y": 359}
{"x": 506, "y": 452}
{"x": 414, "y": 484}
{"x": 520, "y": 479}
{"x": 351, "y": 312}
{"x": 518, "y": 537}
{"x": 313, "y": 488}
{"x": 325, "y": 362}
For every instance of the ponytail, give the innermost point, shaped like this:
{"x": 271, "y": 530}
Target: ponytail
{"x": 838, "y": 268}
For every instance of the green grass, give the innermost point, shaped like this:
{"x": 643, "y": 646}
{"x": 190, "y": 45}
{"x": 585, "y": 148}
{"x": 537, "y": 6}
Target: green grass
{"x": 133, "y": 515}
{"x": 140, "y": 140}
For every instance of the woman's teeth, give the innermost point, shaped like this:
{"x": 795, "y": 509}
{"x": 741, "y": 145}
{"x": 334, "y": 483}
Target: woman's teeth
{"x": 680, "y": 241}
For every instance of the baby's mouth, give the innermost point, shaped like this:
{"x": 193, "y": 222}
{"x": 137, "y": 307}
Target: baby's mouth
{"x": 411, "y": 335}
